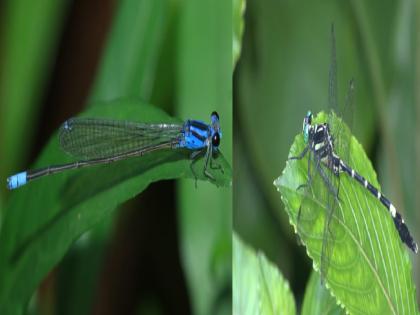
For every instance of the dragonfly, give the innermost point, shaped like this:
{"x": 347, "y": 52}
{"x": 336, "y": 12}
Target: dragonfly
{"x": 102, "y": 141}
{"x": 323, "y": 142}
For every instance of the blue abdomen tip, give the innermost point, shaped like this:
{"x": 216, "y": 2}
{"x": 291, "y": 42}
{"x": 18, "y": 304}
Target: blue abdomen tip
{"x": 16, "y": 180}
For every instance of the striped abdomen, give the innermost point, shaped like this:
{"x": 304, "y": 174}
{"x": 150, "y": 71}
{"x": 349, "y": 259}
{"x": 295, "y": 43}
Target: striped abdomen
{"x": 396, "y": 216}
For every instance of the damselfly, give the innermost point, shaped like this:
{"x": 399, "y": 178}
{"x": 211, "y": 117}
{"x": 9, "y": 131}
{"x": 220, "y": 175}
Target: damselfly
{"x": 101, "y": 141}
{"x": 320, "y": 143}
{"x": 327, "y": 147}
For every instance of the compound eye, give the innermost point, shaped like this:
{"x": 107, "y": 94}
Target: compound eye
{"x": 215, "y": 140}
{"x": 215, "y": 114}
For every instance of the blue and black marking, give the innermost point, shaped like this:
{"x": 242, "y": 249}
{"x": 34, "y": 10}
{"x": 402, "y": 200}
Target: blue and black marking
{"x": 93, "y": 139}
{"x": 196, "y": 133}
{"x": 16, "y": 180}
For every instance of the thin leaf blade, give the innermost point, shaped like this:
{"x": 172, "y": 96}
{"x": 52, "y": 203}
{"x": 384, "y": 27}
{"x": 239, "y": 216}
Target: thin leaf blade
{"x": 128, "y": 66}
{"x": 238, "y": 24}
{"x": 204, "y": 80}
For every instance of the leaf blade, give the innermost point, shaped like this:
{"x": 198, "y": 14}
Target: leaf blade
{"x": 258, "y": 286}
{"x": 204, "y": 81}
{"x": 238, "y": 24}
{"x": 128, "y": 66}
{"x": 318, "y": 300}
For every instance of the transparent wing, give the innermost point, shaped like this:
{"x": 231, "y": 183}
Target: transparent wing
{"x": 332, "y": 80}
{"x": 332, "y": 91}
{"x": 346, "y": 114}
{"x": 343, "y": 111}
{"x": 328, "y": 196}
{"x": 329, "y": 193}
{"x": 319, "y": 207}
{"x": 89, "y": 138}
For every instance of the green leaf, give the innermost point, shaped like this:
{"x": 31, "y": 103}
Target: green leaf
{"x": 238, "y": 23}
{"x": 44, "y": 217}
{"x": 318, "y": 300}
{"x": 370, "y": 269}
{"x": 128, "y": 66}
{"x": 79, "y": 272}
{"x": 204, "y": 84}
{"x": 30, "y": 34}
{"x": 258, "y": 286}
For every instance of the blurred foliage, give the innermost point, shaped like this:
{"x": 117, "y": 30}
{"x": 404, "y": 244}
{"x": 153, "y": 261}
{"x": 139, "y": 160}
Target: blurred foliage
{"x": 238, "y": 24}
{"x": 283, "y": 73}
{"x": 204, "y": 77}
{"x": 367, "y": 262}
{"x": 318, "y": 300}
{"x": 175, "y": 54}
{"x": 258, "y": 287}
{"x": 29, "y": 43}
{"x": 130, "y": 58}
